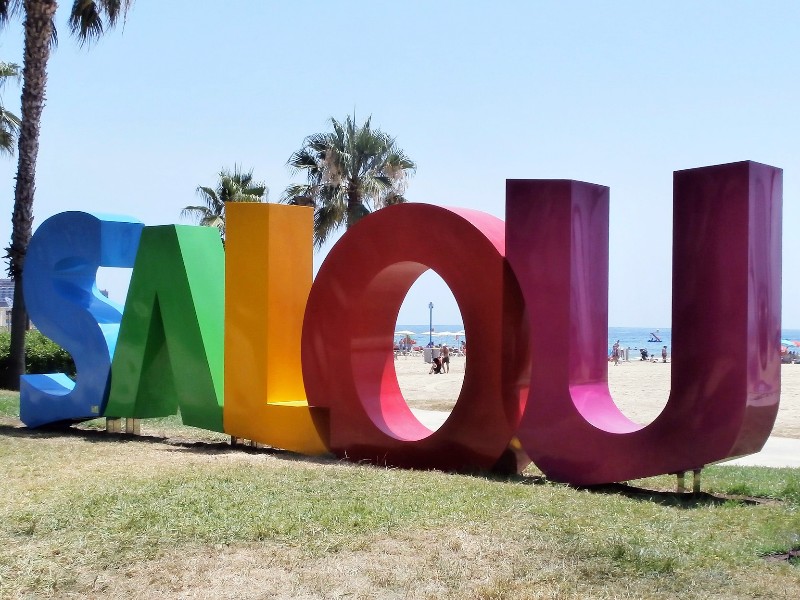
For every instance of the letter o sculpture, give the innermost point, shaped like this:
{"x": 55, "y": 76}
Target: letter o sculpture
{"x": 348, "y": 362}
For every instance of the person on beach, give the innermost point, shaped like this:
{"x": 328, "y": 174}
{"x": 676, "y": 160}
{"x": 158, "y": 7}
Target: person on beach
{"x": 615, "y": 353}
{"x": 445, "y": 354}
{"x": 436, "y": 366}
{"x": 664, "y": 354}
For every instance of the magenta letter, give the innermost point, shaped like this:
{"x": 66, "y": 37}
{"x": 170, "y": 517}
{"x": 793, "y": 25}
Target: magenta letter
{"x": 726, "y": 325}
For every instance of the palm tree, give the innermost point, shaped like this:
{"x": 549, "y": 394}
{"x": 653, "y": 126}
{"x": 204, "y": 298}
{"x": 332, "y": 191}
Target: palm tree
{"x": 350, "y": 172}
{"x": 9, "y": 122}
{"x": 87, "y": 21}
{"x": 233, "y": 186}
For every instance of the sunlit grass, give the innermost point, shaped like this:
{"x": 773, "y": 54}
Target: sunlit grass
{"x": 9, "y": 403}
{"x": 88, "y": 513}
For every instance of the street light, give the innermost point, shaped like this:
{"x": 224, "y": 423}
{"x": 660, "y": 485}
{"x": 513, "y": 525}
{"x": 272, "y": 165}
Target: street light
{"x": 430, "y": 327}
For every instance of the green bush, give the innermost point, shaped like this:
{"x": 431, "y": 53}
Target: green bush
{"x": 41, "y": 355}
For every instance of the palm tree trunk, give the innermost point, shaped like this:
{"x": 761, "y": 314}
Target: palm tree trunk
{"x": 353, "y": 204}
{"x": 38, "y": 31}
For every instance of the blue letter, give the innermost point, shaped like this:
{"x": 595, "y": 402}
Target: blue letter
{"x": 63, "y": 301}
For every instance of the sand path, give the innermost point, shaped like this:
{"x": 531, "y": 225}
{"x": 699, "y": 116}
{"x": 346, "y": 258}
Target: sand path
{"x": 639, "y": 388}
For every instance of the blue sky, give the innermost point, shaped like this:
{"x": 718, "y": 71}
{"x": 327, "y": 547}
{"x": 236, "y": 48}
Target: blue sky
{"x": 616, "y": 93}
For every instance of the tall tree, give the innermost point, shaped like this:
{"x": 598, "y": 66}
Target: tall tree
{"x": 350, "y": 172}
{"x": 235, "y": 186}
{"x": 9, "y": 122}
{"x": 87, "y": 21}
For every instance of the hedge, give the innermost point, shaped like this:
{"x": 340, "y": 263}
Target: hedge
{"x": 41, "y": 355}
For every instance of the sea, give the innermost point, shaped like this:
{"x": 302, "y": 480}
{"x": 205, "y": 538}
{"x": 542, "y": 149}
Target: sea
{"x": 653, "y": 339}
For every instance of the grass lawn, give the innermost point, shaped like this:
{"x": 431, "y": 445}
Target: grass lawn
{"x": 84, "y": 513}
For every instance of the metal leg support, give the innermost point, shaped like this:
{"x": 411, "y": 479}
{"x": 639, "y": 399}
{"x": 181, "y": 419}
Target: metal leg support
{"x": 681, "y": 488}
{"x": 696, "y": 481}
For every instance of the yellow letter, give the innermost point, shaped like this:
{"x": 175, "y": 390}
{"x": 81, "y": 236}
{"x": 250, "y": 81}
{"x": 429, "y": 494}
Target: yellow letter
{"x": 268, "y": 259}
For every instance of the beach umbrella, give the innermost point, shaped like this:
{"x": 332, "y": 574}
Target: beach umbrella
{"x": 446, "y": 334}
{"x": 405, "y": 332}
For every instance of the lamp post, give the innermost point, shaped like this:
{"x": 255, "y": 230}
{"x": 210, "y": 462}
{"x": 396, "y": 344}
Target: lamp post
{"x": 430, "y": 327}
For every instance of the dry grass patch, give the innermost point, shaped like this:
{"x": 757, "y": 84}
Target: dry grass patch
{"x": 435, "y": 564}
{"x": 446, "y": 563}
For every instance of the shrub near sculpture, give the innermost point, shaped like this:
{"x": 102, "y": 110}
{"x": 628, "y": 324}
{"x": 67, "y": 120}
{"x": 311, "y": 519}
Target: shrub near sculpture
{"x": 533, "y": 292}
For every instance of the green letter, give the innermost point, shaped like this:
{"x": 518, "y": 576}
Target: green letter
{"x": 170, "y": 348}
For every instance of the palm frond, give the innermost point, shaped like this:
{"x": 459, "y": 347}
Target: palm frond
{"x": 213, "y": 221}
{"x": 9, "y": 71}
{"x": 85, "y": 21}
{"x": 303, "y": 159}
{"x": 8, "y": 141}
{"x": 327, "y": 219}
{"x": 294, "y": 191}
{"x": 248, "y": 198}
{"x": 115, "y": 8}
{"x": 88, "y": 18}
{"x": 8, "y": 10}
{"x": 349, "y": 171}
{"x": 393, "y": 198}
{"x": 53, "y": 34}
{"x": 198, "y": 213}
{"x": 210, "y": 197}
{"x": 9, "y": 122}
{"x": 233, "y": 186}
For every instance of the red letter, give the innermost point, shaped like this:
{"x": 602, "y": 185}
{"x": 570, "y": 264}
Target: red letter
{"x": 348, "y": 364}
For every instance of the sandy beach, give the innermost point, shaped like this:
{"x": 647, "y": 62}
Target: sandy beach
{"x": 639, "y": 388}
